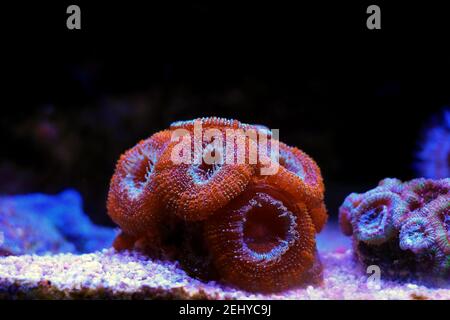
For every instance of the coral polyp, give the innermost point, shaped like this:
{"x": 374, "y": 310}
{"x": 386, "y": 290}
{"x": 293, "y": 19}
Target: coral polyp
{"x": 402, "y": 227}
{"x": 132, "y": 200}
{"x": 179, "y": 193}
{"x": 195, "y": 191}
{"x": 269, "y": 241}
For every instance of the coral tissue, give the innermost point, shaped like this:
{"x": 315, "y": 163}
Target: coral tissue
{"x": 222, "y": 221}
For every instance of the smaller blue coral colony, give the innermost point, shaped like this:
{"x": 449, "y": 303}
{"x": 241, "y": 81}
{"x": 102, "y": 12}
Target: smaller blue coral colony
{"x": 433, "y": 157}
{"x": 63, "y": 226}
{"x": 402, "y": 227}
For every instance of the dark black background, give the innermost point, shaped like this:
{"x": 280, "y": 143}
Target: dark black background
{"x": 355, "y": 99}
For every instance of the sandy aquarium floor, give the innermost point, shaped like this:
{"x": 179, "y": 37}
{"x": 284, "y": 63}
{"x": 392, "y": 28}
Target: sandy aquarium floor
{"x": 108, "y": 274}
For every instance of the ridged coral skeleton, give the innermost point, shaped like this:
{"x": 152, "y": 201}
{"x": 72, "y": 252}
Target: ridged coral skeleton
{"x": 403, "y": 227}
{"x": 223, "y": 220}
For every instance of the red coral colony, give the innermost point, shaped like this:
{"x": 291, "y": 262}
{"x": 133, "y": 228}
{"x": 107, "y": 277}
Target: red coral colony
{"x": 222, "y": 220}
{"x": 402, "y": 227}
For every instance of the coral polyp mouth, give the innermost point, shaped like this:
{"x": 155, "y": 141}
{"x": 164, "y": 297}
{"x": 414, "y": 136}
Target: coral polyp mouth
{"x": 204, "y": 172}
{"x": 372, "y": 218}
{"x": 138, "y": 166}
{"x": 142, "y": 171}
{"x": 268, "y": 226}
